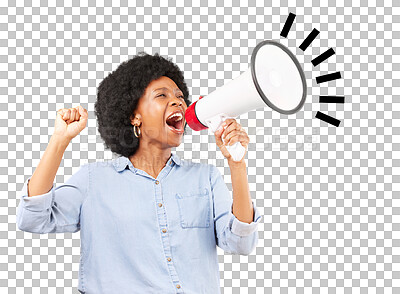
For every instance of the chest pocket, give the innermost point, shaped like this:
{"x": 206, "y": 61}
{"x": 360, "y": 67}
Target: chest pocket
{"x": 194, "y": 209}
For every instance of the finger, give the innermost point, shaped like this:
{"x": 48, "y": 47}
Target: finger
{"x": 232, "y": 134}
{"x": 222, "y": 128}
{"x": 83, "y": 112}
{"x": 228, "y": 122}
{"x": 66, "y": 114}
{"x": 231, "y": 127}
{"x": 239, "y": 138}
{"x": 233, "y": 140}
{"x": 241, "y": 133}
{"x": 61, "y": 112}
{"x": 72, "y": 115}
{"x": 218, "y": 134}
{"x": 224, "y": 150}
{"x": 77, "y": 114}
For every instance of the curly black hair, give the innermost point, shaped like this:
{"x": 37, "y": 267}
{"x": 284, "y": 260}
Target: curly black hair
{"x": 118, "y": 95}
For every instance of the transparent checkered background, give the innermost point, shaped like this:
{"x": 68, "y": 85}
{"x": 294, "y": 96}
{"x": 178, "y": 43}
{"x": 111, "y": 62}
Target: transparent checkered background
{"x": 329, "y": 195}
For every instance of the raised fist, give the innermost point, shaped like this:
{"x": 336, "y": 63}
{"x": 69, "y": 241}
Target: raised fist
{"x": 70, "y": 122}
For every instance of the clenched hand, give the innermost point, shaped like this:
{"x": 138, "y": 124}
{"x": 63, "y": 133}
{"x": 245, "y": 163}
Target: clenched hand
{"x": 70, "y": 122}
{"x": 231, "y": 132}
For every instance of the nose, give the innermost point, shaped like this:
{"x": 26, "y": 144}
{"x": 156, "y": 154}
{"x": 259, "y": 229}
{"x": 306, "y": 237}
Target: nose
{"x": 176, "y": 101}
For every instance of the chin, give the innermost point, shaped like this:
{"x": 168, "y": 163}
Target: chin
{"x": 177, "y": 144}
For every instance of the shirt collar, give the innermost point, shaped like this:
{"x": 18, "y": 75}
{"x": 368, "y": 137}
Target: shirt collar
{"x": 121, "y": 162}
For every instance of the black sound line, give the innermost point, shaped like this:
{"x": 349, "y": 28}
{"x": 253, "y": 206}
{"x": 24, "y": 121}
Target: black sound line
{"x": 314, "y": 33}
{"x": 328, "y": 77}
{"x": 331, "y": 99}
{"x": 288, "y": 24}
{"x": 324, "y": 56}
{"x": 326, "y": 118}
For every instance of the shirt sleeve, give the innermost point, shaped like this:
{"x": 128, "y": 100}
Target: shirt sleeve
{"x": 233, "y": 236}
{"x": 57, "y": 211}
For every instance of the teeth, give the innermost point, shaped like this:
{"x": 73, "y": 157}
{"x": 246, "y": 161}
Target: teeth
{"x": 178, "y": 114}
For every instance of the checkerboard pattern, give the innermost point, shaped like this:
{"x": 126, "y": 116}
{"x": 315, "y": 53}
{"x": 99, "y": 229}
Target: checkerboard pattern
{"x": 329, "y": 195}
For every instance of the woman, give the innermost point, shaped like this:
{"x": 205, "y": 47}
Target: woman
{"x": 149, "y": 221}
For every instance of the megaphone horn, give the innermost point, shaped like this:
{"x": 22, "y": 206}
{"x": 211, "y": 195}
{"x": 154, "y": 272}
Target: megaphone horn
{"x": 274, "y": 78}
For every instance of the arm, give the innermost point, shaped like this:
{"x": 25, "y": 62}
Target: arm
{"x": 242, "y": 204}
{"x": 42, "y": 207}
{"x": 235, "y": 221}
{"x": 56, "y": 211}
{"x": 68, "y": 124}
{"x": 232, "y": 235}
{"x": 44, "y": 174}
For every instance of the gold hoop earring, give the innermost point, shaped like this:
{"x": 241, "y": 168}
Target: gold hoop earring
{"x": 134, "y": 130}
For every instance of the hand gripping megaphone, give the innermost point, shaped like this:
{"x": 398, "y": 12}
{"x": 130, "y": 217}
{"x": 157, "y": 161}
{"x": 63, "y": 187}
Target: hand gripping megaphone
{"x": 274, "y": 78}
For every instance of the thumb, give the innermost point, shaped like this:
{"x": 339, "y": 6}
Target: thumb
{"x": 83, "y": 112}
{"x": 61, "y": 112}
{"x": 218, "y": 135}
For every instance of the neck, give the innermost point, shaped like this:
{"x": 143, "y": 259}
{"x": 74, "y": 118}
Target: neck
{"x": 150, "y": 159}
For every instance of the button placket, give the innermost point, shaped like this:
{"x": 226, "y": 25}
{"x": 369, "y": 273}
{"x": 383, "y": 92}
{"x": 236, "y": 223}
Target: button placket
{"x": 162, "y": 221}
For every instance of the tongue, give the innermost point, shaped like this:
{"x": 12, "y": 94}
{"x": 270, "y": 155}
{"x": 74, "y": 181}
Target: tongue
{"x": 174, "y": 124}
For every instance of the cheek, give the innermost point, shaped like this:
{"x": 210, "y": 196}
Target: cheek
{"x": 155, "y": 113}
{"x": 155, "y": 122}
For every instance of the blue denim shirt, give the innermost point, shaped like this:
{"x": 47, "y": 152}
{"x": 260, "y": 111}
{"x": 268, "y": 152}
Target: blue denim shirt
{"x": 140, "y": 234}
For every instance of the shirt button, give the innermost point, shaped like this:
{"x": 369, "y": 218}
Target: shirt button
{"x": 157, "y": 182}
{"x": 159, "y": 204}
{"x": 170, "y": 163}
{"x": 178, "y": 286}
{"x": 164, "y": 230}
{"x": 169, "y": 259}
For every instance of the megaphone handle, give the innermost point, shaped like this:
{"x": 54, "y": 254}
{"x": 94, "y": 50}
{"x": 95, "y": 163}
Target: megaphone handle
{"x": 236, "y": 150}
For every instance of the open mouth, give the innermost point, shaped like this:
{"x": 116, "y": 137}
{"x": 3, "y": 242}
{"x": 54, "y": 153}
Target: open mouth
{"x": 175, "y": 123}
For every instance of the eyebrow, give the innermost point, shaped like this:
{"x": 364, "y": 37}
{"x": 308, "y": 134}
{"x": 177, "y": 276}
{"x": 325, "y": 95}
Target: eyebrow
{"x": 177, "y": 89}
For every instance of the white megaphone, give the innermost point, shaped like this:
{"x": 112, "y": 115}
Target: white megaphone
{"x": 274, "y": 78}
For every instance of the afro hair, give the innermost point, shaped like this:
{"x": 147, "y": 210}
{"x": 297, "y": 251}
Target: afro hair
{"x": 119, "y": 93}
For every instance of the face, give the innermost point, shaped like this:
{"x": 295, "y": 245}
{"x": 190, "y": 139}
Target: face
{"x": 160, "y": 99}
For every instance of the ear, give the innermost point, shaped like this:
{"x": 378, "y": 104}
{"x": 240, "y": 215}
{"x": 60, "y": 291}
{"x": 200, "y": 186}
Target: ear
{"x": 135, "y": 119}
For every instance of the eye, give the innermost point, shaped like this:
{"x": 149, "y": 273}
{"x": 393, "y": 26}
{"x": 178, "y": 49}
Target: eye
{"x": 178, "y": 96}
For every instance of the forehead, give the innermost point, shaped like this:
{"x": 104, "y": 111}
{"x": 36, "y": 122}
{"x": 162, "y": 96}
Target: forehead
{"x": 162, "y": 82}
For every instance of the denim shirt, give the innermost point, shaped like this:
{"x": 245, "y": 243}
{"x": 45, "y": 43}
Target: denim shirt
{"x": 140, "y": 234}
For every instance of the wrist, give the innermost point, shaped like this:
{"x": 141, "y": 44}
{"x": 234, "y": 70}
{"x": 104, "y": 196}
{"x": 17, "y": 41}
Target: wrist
{"x": 60, "y": 141}
{"x": 236, "y": 164}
